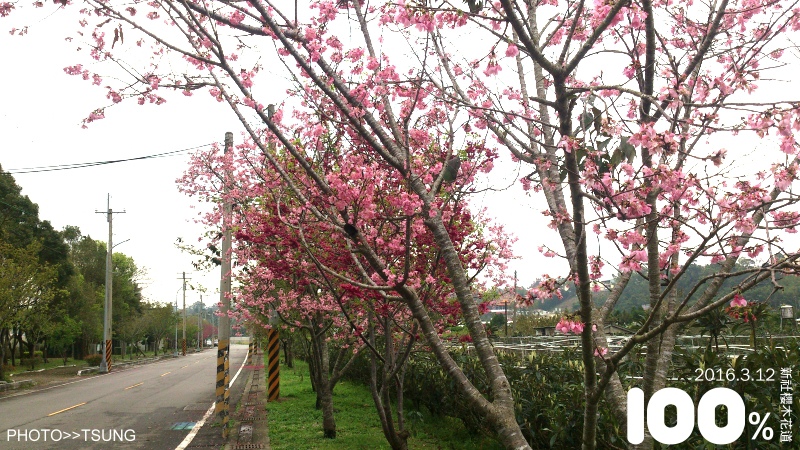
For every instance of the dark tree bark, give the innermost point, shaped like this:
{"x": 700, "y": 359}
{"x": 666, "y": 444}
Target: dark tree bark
{"x": 3, "y": 356}
{"x": 288, "y": 355}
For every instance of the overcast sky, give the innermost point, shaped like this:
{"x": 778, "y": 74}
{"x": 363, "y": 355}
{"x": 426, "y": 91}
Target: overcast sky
{"x": 41, "y": 108}
{"x": 40, "y": 125}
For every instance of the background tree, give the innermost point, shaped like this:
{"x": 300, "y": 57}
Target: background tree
{"x": 63, "y": 336}
{"x": 161, "y": 320}
{"x": 24, "y": 284}
{"x": 86, "y": 288}
{"x": 131, "y": 332}
{"x": 28, "y": 245}
{"x": 39, "y": 322}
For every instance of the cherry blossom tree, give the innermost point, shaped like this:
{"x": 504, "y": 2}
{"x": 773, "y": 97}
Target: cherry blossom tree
{"x": 632, "y": 119}
{"x": 635, "y": 157}
{"x": 295, "y": 262}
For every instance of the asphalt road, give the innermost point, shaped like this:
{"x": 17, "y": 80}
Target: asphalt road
{"x": 151, "y": 406}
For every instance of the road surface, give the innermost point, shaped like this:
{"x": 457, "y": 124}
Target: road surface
{"x": 151, "y": 406}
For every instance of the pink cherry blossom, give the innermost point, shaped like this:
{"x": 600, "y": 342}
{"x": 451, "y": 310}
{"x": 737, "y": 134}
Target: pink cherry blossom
{"x": 5, "y": 9}
{"x": 738, "y": 300}
{"x": 512, "y": 50}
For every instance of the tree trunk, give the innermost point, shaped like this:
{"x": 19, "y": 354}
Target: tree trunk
{"x": 3, "y": 353}
{"x": 3, "y": 333}
{"x": 13, "y": 348}
{"x": 20, "y": 344}
{"x": 381, "y": 393}
{"x": 499, "y": 413}
{"x": 312, "y": 372}
{"x": 288, "y": 357}
{"x": 328, "y": 419}
{"x": 324, "y": 391}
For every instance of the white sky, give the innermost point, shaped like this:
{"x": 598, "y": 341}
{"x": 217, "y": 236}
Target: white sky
{"x": 40, "y": 116}
{"x": 41, "y": 109}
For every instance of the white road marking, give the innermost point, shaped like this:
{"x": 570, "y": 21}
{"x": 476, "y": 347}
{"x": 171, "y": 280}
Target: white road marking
{"x": 189, "y": 437}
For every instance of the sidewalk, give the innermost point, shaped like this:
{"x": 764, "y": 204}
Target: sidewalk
{"x": 249, "y": 422}
{"x": 248, "y": 418}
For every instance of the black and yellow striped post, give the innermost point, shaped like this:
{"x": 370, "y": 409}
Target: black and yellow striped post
{"x": 250, "y": 352}
{"x": 273, "y": 365}
{"x": 183, "y": 344}
{"x": 227, "y": 397}
{"x": 108, "y": 355}
{"x": 222, "y": 392}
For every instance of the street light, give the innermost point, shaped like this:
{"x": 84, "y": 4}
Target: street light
{"x": 120, "y": 243}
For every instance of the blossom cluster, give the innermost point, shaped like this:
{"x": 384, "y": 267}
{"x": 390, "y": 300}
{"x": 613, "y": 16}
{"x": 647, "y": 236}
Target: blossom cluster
{"x": 567, "y": 325}
{"x": 742, "y": 309}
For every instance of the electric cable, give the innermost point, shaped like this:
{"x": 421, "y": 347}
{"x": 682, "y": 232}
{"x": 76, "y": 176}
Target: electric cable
{"x": 57, "y": 167}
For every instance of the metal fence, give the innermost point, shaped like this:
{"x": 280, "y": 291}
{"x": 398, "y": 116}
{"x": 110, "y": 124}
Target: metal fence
{"x": 728, "y": 344}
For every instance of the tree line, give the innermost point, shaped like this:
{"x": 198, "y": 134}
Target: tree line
{"x": 52, "y": 288}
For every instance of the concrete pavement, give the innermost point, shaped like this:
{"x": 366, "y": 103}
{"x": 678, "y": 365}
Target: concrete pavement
{"x": 248, "y": 424}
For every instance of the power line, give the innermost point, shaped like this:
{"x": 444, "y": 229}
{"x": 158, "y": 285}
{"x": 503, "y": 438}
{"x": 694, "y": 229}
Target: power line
{"x": 82, "y": 165}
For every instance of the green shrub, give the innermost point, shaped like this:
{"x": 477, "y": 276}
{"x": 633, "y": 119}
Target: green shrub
{"x": 31, "y": 362}
{"x": 94, "y": 359}
{"x": 548, "y": 391}
{"x": 547, "y": 388}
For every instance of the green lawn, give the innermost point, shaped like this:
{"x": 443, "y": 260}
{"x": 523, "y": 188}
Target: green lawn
{"x": 295, "y": 424}
{"x": 52, "y": 363}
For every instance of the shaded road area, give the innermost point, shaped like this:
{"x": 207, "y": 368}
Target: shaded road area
{"x": 152, "y": 406}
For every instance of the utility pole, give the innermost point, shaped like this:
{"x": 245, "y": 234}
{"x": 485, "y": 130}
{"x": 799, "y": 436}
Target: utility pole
{"x": 183, "y": 277}
{"x": 105, "y": 365}
{"x": 224, "y": 331}
{"x": 514, "y": 323}
{"x": 200, "y": 323}
{"x": 176, "y": 323}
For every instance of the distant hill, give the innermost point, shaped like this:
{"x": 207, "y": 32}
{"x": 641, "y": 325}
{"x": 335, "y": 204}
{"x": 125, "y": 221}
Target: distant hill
{"x": 636, "y": 293}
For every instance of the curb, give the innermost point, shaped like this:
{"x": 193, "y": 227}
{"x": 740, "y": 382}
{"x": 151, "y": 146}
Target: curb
{"x": 88, "y": 370}
{"x": 16, "y": 385}
{"x": 126, "y": 364}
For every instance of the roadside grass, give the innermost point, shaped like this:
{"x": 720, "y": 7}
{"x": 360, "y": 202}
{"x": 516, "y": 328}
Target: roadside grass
{"x": 54, "y": 362}
{"x": 295, "y": 424}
